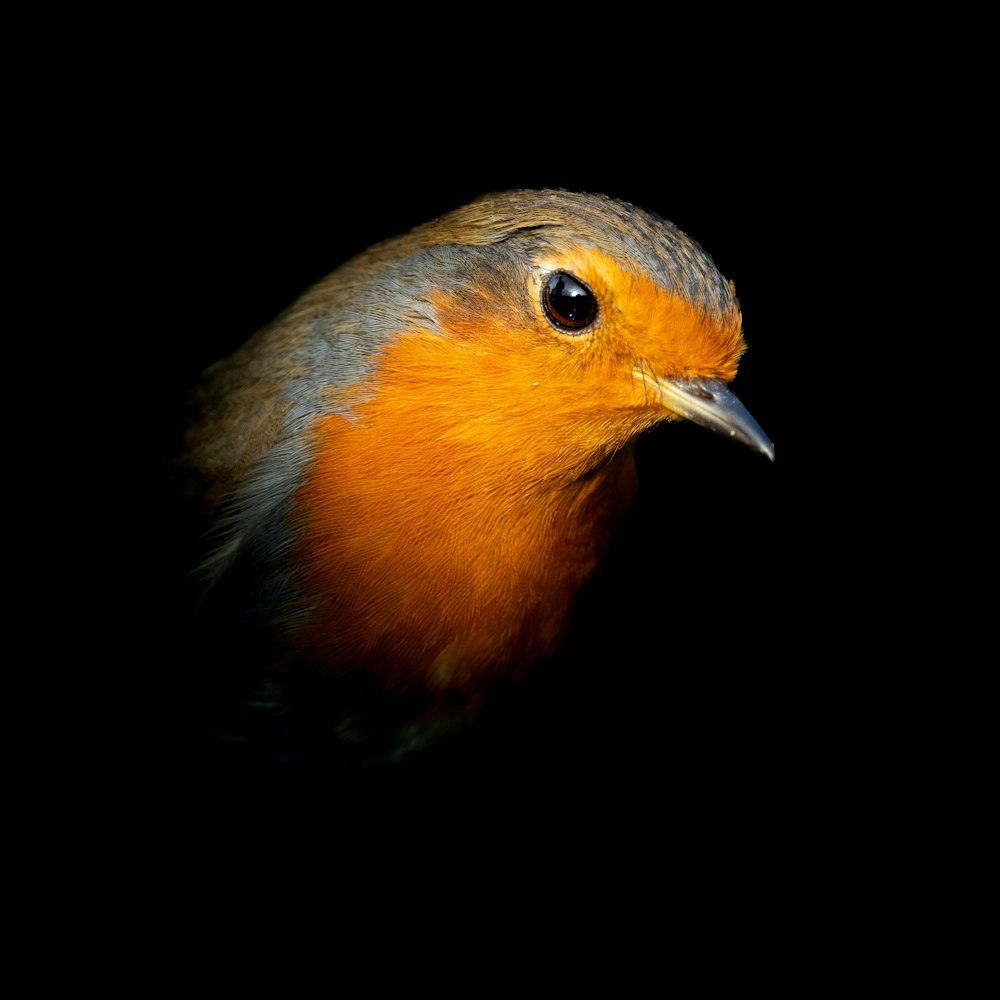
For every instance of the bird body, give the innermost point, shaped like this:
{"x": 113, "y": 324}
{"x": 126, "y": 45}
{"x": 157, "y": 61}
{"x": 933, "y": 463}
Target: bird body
{"x": 417, "y": 467}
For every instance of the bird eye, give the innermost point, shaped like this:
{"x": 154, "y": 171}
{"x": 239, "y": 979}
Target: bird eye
{"x": 569, "y": 303}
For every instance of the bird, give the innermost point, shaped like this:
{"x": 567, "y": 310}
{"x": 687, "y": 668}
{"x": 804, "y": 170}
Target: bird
{"x": 411, "y": 473}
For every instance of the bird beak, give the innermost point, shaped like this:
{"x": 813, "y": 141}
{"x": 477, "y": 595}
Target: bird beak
{"x": 712, "y": 404}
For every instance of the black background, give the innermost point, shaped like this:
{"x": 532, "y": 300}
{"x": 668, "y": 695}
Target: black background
{"x": 740, "y": 714}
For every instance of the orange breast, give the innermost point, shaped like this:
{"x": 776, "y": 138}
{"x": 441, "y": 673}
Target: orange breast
{"x": 436, "y": 549}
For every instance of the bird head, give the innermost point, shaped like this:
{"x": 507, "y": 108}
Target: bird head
{"x": 606, "y": 316}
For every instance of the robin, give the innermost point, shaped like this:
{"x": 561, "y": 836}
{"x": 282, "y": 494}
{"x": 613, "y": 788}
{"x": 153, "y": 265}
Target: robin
{"x": 412, "y": 471}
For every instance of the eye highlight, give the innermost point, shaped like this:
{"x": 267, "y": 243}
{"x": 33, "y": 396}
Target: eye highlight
{"x": 569, "y": 304}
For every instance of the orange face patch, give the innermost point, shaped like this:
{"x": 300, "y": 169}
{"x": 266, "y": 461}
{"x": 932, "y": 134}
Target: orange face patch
{"x": 641, "y": 321}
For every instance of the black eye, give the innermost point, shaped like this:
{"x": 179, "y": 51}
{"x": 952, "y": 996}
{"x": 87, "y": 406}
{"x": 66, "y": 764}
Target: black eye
{"x": 568, "y": 302}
